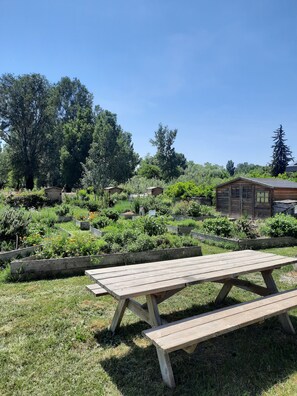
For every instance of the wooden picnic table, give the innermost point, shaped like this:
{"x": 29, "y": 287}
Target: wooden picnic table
{"x": 158, "y": 281}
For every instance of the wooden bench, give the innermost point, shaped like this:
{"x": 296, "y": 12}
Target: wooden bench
{"x": 96, "y": 290}
{"x": 187, "y": 333}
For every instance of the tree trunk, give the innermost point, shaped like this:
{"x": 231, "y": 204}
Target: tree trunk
{"x": 29, "y": 182}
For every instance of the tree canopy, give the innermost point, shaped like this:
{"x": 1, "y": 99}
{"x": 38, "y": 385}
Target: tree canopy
{"x": 282, "y": 154}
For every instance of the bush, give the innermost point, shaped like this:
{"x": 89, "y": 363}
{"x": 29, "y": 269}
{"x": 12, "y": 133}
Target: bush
{"x": 101, "y": 222}
{"x": 219, "y": 226}
{"x": 154, "y": 226}
{"x": 280, "y": 225}
{"x": 13, "y": 222}
{"x": 64, "y": 246}
{"x": 245, "y": 228}
{"x": 63, "y": 210}
{"x": 110, "y": 213}
{"x": 194, "y": 209}
{"x": 34, "y": 199}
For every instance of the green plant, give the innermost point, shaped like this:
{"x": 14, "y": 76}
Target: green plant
{"x": 63, "y": 210}
{"x": 245, "y": 227}
{"x": 194, "y": 209}
{"x": 101, "y": 222}
{"x": 280, "y": 225}
{"x": 13, "y": 222}
{"x": 110, "y": 213}
{"x": 154, "y": 226}
{"x": 32, "y": 199}
{"x": 219, "y": 226}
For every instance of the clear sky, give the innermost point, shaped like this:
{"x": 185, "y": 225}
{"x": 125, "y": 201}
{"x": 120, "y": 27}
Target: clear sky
{"x": 223, "y": 72}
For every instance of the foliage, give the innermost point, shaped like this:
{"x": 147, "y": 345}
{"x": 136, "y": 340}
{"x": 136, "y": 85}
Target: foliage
{"x": 13, "y": 222}
{"x": 280, "y": 225}
{"x": 154, "y": 226}
{"x": 27, "y": 199}
{"x": 245, "y": 228}
{"x": 111, "y": 214}
{"x": 282, "y": 154}
{"x": 220, "y": 226}
{"x": 230, "y": 168}
{"x": 5, "y": 165}
{"x": 111, "y": 156}
{"x": 76, "y": 245}
{"x": 101, "y": 222}
{"x": 63, "y": 210}
{"x": 159, "y": 203}
{"x": 26, "y": 116}
{"x": 170, "y": 163}
{"x": 182, "y": 190}
{"x": 194, "y": 209}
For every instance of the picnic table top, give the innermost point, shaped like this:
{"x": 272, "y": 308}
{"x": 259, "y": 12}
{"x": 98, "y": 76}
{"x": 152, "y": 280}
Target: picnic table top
{"x": 156, "y": 277}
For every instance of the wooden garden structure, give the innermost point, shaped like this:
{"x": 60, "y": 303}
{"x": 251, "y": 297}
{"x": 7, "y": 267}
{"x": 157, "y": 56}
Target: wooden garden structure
{"x": 253, "y": 197}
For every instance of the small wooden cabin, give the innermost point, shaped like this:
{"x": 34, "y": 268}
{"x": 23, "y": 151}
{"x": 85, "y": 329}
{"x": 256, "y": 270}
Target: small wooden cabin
{"x": 154, "y": 191}
{"x": 253, "y": 197}
{"x": 53, "y": 194}
{"x": 291, "y": 168}
{"x": 113, "y": 190}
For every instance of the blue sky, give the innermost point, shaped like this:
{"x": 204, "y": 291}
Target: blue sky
{"x": 223, "y": 72}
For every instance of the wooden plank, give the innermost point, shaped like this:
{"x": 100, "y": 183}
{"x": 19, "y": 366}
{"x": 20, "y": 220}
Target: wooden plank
{"x": 200, "y": 328}
{"x": 170, "y": 263}
{"x": 157, "y": 276}
{"x": 118, "y": 315}
{"x": 156, "y": 286}
{"x": 96, "y": 290}
{"x": 153, "y": 310}
{"x": 207, "y": 267}
{"x": 166, "y": 368}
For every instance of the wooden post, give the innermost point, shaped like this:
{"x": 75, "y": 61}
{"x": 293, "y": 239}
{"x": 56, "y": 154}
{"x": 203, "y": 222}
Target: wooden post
{"x": 166, "y": 368}
{"x": 118, "y": 315}
{"x": 224, "y": 292}
{"x": 283, "y": 318}
{"x": 152, "y": 306}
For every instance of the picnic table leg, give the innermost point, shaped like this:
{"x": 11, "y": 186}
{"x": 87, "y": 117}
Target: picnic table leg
{"x": 166, "y": 368}
{"x": 283, "y": 318}
{"x": 118, "y": 315}
{"x": 154, "y": 314}
{"x": 224, "y": 292}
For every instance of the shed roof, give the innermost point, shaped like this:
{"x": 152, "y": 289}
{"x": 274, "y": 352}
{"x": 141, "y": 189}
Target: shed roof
{"x": 272, "y": 183}
{"x": 152, "y": 188}
{"x": 112, "y": 187}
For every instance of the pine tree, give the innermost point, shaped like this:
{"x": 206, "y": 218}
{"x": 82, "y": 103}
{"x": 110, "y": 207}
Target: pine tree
{"x": 230, "y": 167}
{"x": 282, "y": 154}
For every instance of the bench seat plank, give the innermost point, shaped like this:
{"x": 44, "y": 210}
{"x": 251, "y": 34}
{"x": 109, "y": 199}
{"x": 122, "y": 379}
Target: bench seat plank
{"x": 96, "y": 290}
{"x": 183, "y": 333}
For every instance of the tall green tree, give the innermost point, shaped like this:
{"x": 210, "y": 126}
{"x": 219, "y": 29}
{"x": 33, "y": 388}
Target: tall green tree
{"x": 282, "y": 154}
{"x": 26, "y": 117}
{"x": 77, "y": 138}
{"x": 111, "y": 157}
{"x": 4, "y": 165}
{"x": 230, "y": 167}
{"x": 170, "y": 162}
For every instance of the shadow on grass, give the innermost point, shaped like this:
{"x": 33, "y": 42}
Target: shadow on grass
{"x": 248, "y": 361}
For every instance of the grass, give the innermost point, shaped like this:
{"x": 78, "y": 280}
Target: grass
{"x": 54, "y": 341}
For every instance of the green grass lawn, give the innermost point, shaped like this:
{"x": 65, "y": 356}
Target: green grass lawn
{"x": 54, "y": 341}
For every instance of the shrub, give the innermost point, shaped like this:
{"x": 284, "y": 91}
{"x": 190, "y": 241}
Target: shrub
{"x": 154, "y": 226}
{"x": 101, "y": 222}
{"x": 77, "y": 245}
{"x": 245, "y": 228}
{"x": 219, "y": 226}
{"x": 110, "y": 213}
{"x": 63, "y": 210}
{"x": 13, "y": 222}
{"x": 280, "y": 225}
{"x": 33, "y": 199}
{"x": 194, "y": 209}
{"x": 92, "y": 205}
{"x": 180, "y": 208}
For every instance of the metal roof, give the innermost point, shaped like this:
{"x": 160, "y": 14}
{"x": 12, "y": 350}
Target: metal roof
{"x": 272, "y": 183}
{"x": 292, "y": 168}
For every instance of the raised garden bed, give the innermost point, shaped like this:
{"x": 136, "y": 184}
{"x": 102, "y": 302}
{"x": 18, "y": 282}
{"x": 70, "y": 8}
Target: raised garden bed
{"x": 30, "y": 268}
{"x": 180, "y": 230}
{"x": 200, "y": 218}
{"x": 83, "y": 225}
{"x": 4, "y": 256}
{"x": 258, "y": 243}
{"x": 96, "y": 231}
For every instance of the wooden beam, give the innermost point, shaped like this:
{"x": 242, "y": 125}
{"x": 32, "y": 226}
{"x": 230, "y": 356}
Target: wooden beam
{"x": 166, "y": 368}
{"x": 118, "y": 315}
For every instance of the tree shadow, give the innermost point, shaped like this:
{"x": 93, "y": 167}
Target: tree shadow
{"x": 248, "y": 361}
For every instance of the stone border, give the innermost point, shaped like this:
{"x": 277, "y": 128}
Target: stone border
{"x": 18, "y": 252}
{"x": 83, "y": 225}
{"x": 30, "y": 268}
{"x": 200, "y": 218}
{"x": 97, "y": 232}
{"x": 259, "y": 243}
{"x": 180, "y": 230}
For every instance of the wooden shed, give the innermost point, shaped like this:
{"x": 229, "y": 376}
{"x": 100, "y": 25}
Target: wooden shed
{"x": 113, "y": 190}
{"x": 53, "y": 194}
{"x": 291, "y": 168}
{"x": 154, "y": 191}
{"x": 253, "y": 197}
